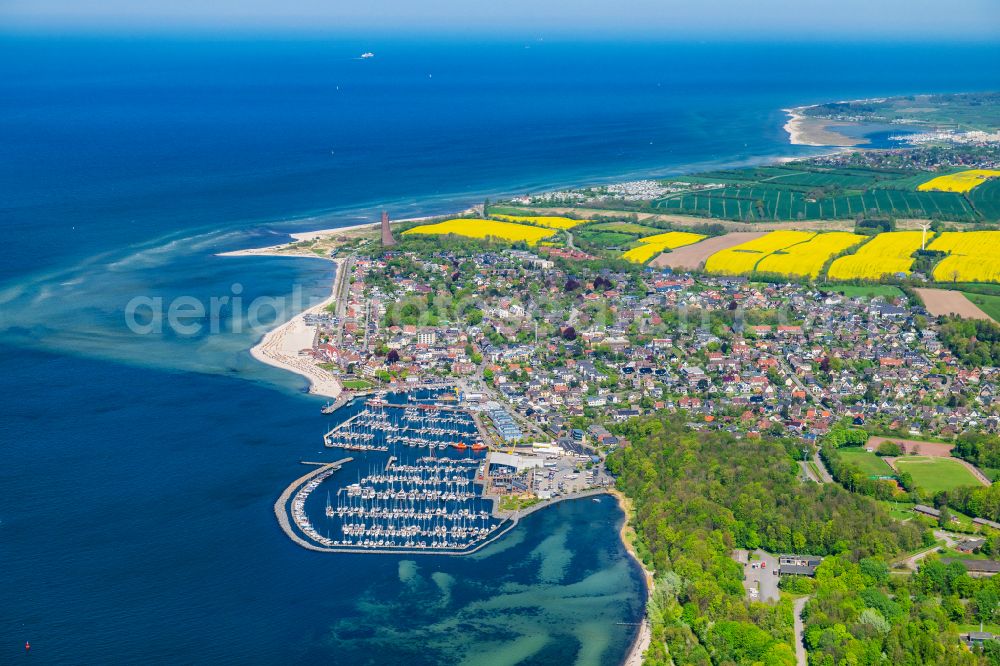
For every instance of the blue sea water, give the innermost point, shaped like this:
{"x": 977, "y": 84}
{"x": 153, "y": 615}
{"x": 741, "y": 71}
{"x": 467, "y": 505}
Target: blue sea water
{"x": 138, "y": 471}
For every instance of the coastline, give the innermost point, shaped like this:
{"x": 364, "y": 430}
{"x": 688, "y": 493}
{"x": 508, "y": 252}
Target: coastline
{"x": 805, "y": 131}
{"x": 644, "y": 637}
{"x": 281, "y": 347}
{"x": 276, "y": 348}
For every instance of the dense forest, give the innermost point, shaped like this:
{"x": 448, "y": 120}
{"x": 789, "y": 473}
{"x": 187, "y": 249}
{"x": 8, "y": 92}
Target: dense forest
{"x": 980, "y": 449}
{"x": 699, "y": 495}
{"x": 976, "y": 342}
{"x": 862, "y": 614}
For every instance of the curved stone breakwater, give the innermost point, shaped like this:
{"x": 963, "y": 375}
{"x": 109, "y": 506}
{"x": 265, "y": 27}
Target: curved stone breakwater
{"x": 287, "y": 517}
{"x": 281, "y": 505}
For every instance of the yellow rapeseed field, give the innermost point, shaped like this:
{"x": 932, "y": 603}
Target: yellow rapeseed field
{"x": 807, "y": 259}
{"x": 552, "y": 222}
{"x": 673, "y": 239}
{"x": 973, "y": 256}
{"x": 885, "y": 254}
{"x": 473, "y": 228}
{"x": 963, "y": 181}
{"x": 654, "y": 245}
{"x": 743, "y": 258}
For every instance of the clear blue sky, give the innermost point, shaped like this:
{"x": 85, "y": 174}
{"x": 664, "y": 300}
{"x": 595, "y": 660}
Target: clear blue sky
{"x": 694, "y": 19}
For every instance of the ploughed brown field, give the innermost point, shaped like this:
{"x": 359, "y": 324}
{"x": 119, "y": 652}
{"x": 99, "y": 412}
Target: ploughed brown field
{"x": 936, "y": 449}
{"x": 694, "y": 256}
{"x": 944, "y": 302}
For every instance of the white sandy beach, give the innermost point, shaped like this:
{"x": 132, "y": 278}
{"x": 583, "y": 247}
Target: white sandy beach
{"x": 805, "y": 131}
{"x": 283, "y": 346}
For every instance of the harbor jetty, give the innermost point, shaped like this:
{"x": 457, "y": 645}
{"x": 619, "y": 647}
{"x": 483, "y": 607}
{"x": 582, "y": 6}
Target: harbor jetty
{"x": 420, "y": 482}
{"x": 281, "y": 511}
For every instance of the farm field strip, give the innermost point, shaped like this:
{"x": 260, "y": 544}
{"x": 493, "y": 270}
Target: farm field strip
{"x": 973, "y": 256}
{"x": 986, "y": 199}
{"x": 807, "y": 259}
{"x": 695, "y": 255}
{"x": 653, "y": 245}
{"x": 887, "y": 253}
{"x": 475, "y": 228}
{"x": 755, "y": 202}
{"x": 941, "y": 302}
{"x": 963, "y": 181}
{"x": 551, "y": 221}
{"x": 744, "y": 258}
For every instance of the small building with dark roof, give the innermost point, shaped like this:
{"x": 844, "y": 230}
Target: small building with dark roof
{"x": 976, "y": 568}
{"x": 798, "y": 565}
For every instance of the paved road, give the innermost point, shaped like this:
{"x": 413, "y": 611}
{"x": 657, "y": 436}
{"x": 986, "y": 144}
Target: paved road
{"x": 949, "y": 539}
{"x": 801, "y": 658}
{"x": 824, "y": 474}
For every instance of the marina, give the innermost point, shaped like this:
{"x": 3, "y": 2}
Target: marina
{"x": 417, "y": 486}
{"x": 381, "y": 425}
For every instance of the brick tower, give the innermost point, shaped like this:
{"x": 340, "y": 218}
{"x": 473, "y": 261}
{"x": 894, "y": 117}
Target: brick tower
{"x": 387, "y": 239}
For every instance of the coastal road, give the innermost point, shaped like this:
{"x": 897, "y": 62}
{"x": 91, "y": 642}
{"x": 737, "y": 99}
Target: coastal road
{"x": 343, "y": 290}
{"x": 801, "y": 658}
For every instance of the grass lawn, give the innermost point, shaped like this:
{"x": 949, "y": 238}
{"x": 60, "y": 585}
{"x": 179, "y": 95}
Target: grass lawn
{"x": 934, "y": 474}
{"x": 509, "y": 503}
{"x": 898, "y": 510}
{"x": 869, "y": 463}
{"x": 625, "y": 228}
{"x": 992, "y": 473}
{"x": 965, "y": 628}
{"x": 605, "y": 239}
{"x": 356, "y": 384}
{"x": 988, "y": 304}
{"x": 866, "y": 291}
{"x": 951, "y": 552}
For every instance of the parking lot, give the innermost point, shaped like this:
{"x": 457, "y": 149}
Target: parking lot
{"x": 760, "y": 575}
{"x": 560, "y": 476}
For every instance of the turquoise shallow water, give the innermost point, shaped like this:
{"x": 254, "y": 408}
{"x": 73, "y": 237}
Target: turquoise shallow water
{"x": 139, "y": 471}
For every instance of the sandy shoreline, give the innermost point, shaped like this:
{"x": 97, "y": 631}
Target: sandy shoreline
{"x": 282, "y": 347}
{"x": 645, "y": 636}
{"x": 806, "y": 131}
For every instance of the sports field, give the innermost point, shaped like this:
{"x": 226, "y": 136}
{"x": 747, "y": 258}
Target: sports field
{"x": 868, "y": 463}
{"x": 473, "y": 228}
{"x": 935, "y": 474}
{"x": 963, "y": 181}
